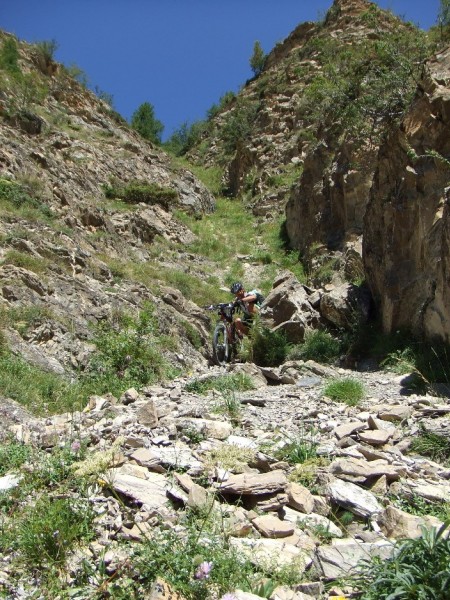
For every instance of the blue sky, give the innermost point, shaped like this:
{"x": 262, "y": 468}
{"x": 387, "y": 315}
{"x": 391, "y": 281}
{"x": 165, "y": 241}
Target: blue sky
{"x": 179, "y": 55}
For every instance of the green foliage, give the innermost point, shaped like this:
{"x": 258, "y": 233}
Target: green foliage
{"x": 24, "y": 317}
{"x": 427, "y": 443}
{"x": 141, "y": 191}
{"x": 444, "y": 13}
{"x": 128, "y": 354}
{"x": 77, "y": 73}
{"x": 363, "y": 85}
{"x": 347, "y": 390}
{"x": 192, "y": 334}
{"x": 185, "y": 137}
{"x": 12, "y": 456}
{"x": 15, "y": 197}
{"x": 298, "y": 450}
{"x": 143, "y": 120}
{"x": 238, "y": 125}
{"x": 305, "y": 472}
{"x": 257, "y": 59}
{"x": 419, "y": 569}
{"x": 177, "y": 559}
{"x": 38, "y": 390}
{"x": 318, "y": 345}
{"x": 47, "y": 49}
{"x": 26, "y": 261}
{"x": 230, "y": 406}
{"x": 230, "y": 457}
{"x": 239, "y": 382}
{"x": 9, "y": 56}
{"x": 268, "y": 348}
{"x": 47, "y": 531}
{"x": 224, "y": 101}
{"x": 420, "y": 506}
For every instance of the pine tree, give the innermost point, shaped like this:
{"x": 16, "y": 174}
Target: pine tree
{"x": 258, "y": 58}
{"x": 143, "y": 120}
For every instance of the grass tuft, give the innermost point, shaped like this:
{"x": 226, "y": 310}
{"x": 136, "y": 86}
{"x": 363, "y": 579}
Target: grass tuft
{"x": 347, "y": 390}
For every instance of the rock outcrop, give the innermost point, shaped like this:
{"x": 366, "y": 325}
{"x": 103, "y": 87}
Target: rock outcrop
{"x": 406, "y": 240}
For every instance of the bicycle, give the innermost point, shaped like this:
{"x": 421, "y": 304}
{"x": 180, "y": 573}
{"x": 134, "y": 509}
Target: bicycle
{"x": 226, "y": 340}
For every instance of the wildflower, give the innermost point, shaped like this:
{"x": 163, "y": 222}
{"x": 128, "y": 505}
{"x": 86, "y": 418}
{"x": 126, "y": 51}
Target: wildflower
{"x": 203, "y": 570}
{"x": 75, "y": 447}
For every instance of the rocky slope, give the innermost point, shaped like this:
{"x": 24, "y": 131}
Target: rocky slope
{"x": 168, "y": 452}
{"x": 62, "y": 152}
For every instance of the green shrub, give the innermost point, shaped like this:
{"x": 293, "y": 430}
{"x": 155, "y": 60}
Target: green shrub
{"x": 298, "y": 450}
{"x": 128, "y": 354}
{"x": 318, "y": 345}
{"x": 9, "y": 56}
{"x": 141, "y": 191}
{"x": 420, "y": 506}
{"x": 268, "y": 348}
{"x": 347, "y": 390}
{"x": 192, "y": 334}
{"x": 257, "y": 59}
{"x": 12, "y": 456}
{"x": 427, "y": 443}
{"x": 39, "y": 391}
{"x": 239, "y": 382}
{"x": 419, "y": 569}
{"x": 177, "y": 559}
{"x": 143, "y": 120}
{"x": 239, "y": 125}
{"x": 46, "y": 532}
{"x": 26, "y": 261}
{"x": 14, "y": 196}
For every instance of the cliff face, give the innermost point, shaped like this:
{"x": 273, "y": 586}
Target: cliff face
{"x": 406, "y": 241}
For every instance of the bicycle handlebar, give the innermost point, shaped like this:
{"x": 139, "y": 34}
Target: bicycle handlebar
{"x": 223, "y": 305}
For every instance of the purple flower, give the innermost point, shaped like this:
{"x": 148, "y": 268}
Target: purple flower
{"x": 75, "y": 447}
{"x": 203, "y": 570}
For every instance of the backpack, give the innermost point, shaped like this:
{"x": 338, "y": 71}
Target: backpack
{"x": 259, "y": 297}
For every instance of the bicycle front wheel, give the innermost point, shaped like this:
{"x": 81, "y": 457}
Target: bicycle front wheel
{"x": 221, "y": 347}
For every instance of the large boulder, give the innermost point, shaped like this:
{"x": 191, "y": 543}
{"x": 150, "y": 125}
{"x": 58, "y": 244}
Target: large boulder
{"x": 344, "y": 305}
{"x": 288, "y": 308}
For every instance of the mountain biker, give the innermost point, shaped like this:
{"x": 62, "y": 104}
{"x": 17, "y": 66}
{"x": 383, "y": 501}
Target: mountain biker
{"x": 249, "y": 301}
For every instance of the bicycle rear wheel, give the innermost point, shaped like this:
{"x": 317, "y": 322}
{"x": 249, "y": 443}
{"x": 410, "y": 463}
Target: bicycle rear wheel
{"x": 221, "y": 348}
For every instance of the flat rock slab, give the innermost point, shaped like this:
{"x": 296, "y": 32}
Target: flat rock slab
{"x": 395, "y": 414}
{"x": 178, "y": 456}
{"x": 341, "y": 559}
{"x": 377, "y": 437}
{"x": 398, "y": 524}
{"x": 272, "y": 527}
{"x": 255, "y": 484}
{"x": 269, "y": 553}
{"x": 347, "y": 429}
{"x": 300, "y": 498}
{"x": 363, "y": 469}
{"x": 150, "y": 491}
{"x": 218, "y": 430}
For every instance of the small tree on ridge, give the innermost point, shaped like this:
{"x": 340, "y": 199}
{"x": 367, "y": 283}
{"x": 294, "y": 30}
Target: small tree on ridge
{"x": 143, "y": 120}
{"x": 257, "y": 59}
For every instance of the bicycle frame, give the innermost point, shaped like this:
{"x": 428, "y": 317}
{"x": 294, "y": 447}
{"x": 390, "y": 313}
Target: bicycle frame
{"x": 225, "y": 337}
